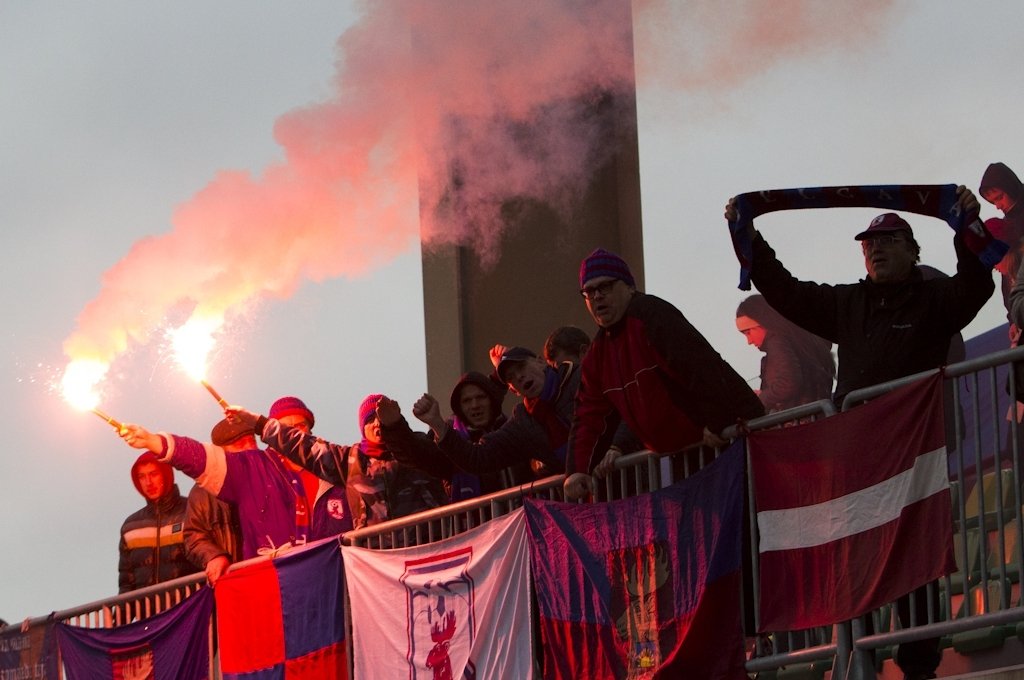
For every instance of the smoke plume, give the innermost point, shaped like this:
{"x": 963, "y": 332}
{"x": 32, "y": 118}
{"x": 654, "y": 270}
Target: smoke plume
{"x": 443, "y": 112}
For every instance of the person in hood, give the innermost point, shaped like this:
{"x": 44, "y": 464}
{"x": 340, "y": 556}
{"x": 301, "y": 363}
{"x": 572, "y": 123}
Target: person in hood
{"x": 1001, "y": 187}
{"x": 537, "y": 431}
{"x": 476, "y": 403}
{"x": 797, "y": 367}
{"x": 152, "y": 548}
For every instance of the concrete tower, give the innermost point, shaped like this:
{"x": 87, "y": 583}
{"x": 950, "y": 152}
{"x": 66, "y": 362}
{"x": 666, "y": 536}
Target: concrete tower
{"x": 534, "y": 287}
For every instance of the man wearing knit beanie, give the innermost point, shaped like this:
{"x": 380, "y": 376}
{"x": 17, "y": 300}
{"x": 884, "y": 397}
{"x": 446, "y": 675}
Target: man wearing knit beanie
{"x": 368, "y": 409}
{"x": 649, "y": 369}
{"x": 292, "y": 411}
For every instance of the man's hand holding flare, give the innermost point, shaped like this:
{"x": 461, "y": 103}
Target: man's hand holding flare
{"x": 139, "y": 437}
{"x": 238, "y": 415}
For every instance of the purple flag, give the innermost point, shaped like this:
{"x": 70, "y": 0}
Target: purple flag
{"x": 173, "y": 645}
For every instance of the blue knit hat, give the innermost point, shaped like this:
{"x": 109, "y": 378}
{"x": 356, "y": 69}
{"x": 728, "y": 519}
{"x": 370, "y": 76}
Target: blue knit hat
{"x": 368, "y": 409}
{"x": 291, "y": 406}
{"x": 604, "y": 263}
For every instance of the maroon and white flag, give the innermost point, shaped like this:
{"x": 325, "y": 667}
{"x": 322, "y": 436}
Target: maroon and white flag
{"x": 853, "y": 511}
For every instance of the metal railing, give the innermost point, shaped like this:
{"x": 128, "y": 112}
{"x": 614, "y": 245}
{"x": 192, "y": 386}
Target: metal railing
{"x": 985, "y": 592}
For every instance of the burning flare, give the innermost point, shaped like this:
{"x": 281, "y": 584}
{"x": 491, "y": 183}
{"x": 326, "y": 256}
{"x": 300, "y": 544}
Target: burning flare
{"x": 79, "y": 385}
{"x": 192, "y": 344}
{"x": 80, "y": 381}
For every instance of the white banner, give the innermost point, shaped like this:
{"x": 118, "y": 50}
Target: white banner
{"x": 459, "y": 608}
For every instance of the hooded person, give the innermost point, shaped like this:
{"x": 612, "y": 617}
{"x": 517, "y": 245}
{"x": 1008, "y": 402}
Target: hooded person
{"x": 278, "y": 508}
{"x": 378, "y": 486}
{"x": 1001, "y": 187}
{"x": 476, "y": 403}
{"x": 152, "y": 548}
{"x": 537, "y": 431}
{"x": 797, "y": 367}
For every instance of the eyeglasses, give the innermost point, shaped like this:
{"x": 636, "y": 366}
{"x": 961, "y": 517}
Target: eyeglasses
{"x": 602, "y": 289}
{"x": 884, "y": 241}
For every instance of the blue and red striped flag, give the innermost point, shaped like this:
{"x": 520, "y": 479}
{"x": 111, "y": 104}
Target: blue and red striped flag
{"x": 173, "y": 645}
{"x": 284, "y": 618}
{"x": 853, "y": 511}
{"x": 646, "y": 587}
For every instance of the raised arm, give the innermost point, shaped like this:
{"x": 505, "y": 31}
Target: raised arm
{"x": 410, "y": 448}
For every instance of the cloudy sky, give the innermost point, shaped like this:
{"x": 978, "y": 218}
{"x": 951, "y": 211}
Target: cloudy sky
{"x": 262, "y": 164}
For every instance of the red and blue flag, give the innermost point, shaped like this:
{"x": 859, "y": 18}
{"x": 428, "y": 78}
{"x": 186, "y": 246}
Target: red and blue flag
{"x": 284, "y": 618}
{"x": 646, "y": 587}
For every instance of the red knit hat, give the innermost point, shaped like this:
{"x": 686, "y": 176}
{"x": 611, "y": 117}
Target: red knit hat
{"x": 291, "y": 406}
{"x": 368, "y": 409}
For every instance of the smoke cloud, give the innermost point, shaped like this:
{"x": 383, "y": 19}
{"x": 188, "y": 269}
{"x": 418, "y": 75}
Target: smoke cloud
{"x": 443, "y": 113}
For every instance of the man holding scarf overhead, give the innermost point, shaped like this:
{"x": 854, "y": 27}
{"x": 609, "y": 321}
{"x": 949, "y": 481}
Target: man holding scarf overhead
{"x": 891, "y": 324}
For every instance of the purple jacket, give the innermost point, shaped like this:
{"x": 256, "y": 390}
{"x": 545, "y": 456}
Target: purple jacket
{"x": 265, "y": 491}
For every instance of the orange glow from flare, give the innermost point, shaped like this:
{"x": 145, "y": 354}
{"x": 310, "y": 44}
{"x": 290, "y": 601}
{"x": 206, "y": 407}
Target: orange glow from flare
{"x": 192, "y": 344}
{"x": 80, "y": 380}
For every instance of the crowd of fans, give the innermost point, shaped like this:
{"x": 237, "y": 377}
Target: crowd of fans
{"x": 646, "y": 380}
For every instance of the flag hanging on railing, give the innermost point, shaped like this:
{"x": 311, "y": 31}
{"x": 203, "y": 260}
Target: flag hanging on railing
{"x": 172, "y": 645}
{"x": 647, "y": 586}
{"x": 853, "y": 511}
{"x": 29, "y": 654}
{"x": 458, "y": 608}
{"x": 284, "y": 618}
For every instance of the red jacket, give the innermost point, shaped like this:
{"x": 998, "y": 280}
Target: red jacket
{"x": 657, "y": 373}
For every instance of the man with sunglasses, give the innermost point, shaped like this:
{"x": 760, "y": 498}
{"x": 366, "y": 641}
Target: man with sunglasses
{"x": 649, "y": 369}
{"x": 891, "y": 324}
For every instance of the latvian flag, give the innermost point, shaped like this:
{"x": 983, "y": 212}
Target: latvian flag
{"x": 853, "y": 511}
{"x": 284, "y": 618}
